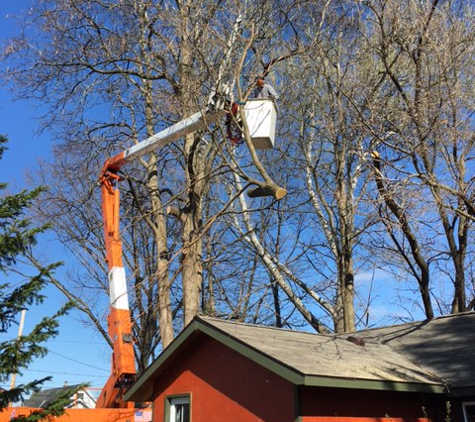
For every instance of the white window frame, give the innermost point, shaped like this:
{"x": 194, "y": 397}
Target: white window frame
{"x": 173, "y": 402}
{"x": 464, "y": 406}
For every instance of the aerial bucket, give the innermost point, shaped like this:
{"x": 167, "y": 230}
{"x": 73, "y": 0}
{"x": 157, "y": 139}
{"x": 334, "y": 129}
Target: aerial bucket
{"x": 261, "y": 118}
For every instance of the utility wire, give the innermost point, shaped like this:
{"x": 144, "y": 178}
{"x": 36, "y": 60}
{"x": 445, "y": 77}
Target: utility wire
{"x": 77, "y": 361}
{"x": 51, "y": 341}
{"x": 67, "y": 373}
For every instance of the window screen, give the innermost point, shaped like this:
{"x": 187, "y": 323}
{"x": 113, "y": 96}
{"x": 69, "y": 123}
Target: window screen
{"x": 469, "y": 412}
{"x": 179, "y": 409}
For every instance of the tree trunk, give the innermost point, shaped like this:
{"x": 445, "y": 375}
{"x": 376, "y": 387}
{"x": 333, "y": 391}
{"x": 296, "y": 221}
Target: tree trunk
{"x": 192, "y": 255}
{"x": 159, "y": 229}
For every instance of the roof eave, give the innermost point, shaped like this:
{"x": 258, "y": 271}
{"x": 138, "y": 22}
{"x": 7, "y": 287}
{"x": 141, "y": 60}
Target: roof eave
{"x": 362, "y": 384}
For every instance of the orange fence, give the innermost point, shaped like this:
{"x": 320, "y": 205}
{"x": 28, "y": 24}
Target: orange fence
{"x": 84, "y": 415}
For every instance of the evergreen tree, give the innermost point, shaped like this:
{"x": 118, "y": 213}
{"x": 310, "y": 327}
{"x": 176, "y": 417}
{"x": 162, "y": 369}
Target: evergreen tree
{"x": 17, "y": 237}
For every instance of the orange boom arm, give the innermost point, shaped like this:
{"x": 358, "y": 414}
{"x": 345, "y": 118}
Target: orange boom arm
{"x": 119, "y": 323}
{"x": 123, "y": 371}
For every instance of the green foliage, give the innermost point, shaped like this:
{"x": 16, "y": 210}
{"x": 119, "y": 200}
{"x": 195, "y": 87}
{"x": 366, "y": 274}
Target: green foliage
{"x": 448, "y": 411}
{"x": 16, "y": 233}
{"x": 17, "y": 236}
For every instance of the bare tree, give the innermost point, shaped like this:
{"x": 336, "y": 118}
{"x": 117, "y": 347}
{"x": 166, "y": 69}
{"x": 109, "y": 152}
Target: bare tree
{"x": 425, "y": 50}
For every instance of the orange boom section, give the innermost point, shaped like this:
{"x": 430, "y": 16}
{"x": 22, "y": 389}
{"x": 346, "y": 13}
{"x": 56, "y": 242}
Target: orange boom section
{"x": 119, "y": 324}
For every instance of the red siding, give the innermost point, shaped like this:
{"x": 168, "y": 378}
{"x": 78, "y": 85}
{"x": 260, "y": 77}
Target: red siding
{"x": 348, "y": 419}
{"x": 225, "y": 386}
{"x": 325, "y": 404}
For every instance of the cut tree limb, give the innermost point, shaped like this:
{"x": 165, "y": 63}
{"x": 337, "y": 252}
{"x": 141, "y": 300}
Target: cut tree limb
{"x": 267, "y": 190}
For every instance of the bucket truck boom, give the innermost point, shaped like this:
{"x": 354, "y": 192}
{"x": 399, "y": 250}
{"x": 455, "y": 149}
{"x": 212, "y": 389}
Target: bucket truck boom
{"x": 123, "y": 371}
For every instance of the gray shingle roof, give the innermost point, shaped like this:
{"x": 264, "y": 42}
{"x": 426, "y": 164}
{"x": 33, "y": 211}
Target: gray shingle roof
{"x": 44, "y": 398}
{"x": 444, "y": 346}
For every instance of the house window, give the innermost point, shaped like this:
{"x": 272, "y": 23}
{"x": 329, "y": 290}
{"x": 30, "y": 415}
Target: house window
{"x": 469, "y": 411}
{"x": 178, "y": 409}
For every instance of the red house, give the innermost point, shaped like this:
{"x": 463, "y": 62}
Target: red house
{"x": 223, "y": 371}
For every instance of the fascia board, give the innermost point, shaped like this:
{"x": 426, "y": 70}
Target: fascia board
{"x": 360, "y": 384}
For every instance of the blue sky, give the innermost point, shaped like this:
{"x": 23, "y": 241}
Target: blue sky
{"x": 78, "y": 354}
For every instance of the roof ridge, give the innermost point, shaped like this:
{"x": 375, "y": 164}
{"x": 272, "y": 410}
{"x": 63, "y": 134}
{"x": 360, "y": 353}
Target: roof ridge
{"x": 210, "y": 319}
{"x": 424, "y": 321}
{"x": 205, "y": 318}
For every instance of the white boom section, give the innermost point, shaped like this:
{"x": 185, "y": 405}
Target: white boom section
{"x": 198, "y": 121}
{"x": 118, "y": 288}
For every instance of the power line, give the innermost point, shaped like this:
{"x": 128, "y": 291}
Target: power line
{"x": 77, "y": 361}
{"x": 51, "y": 341}
{"x": 48, "y": 386}
{"x": 67, "y": 373}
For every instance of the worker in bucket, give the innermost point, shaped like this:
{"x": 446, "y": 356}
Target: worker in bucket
{"x": 265, "y": 91}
